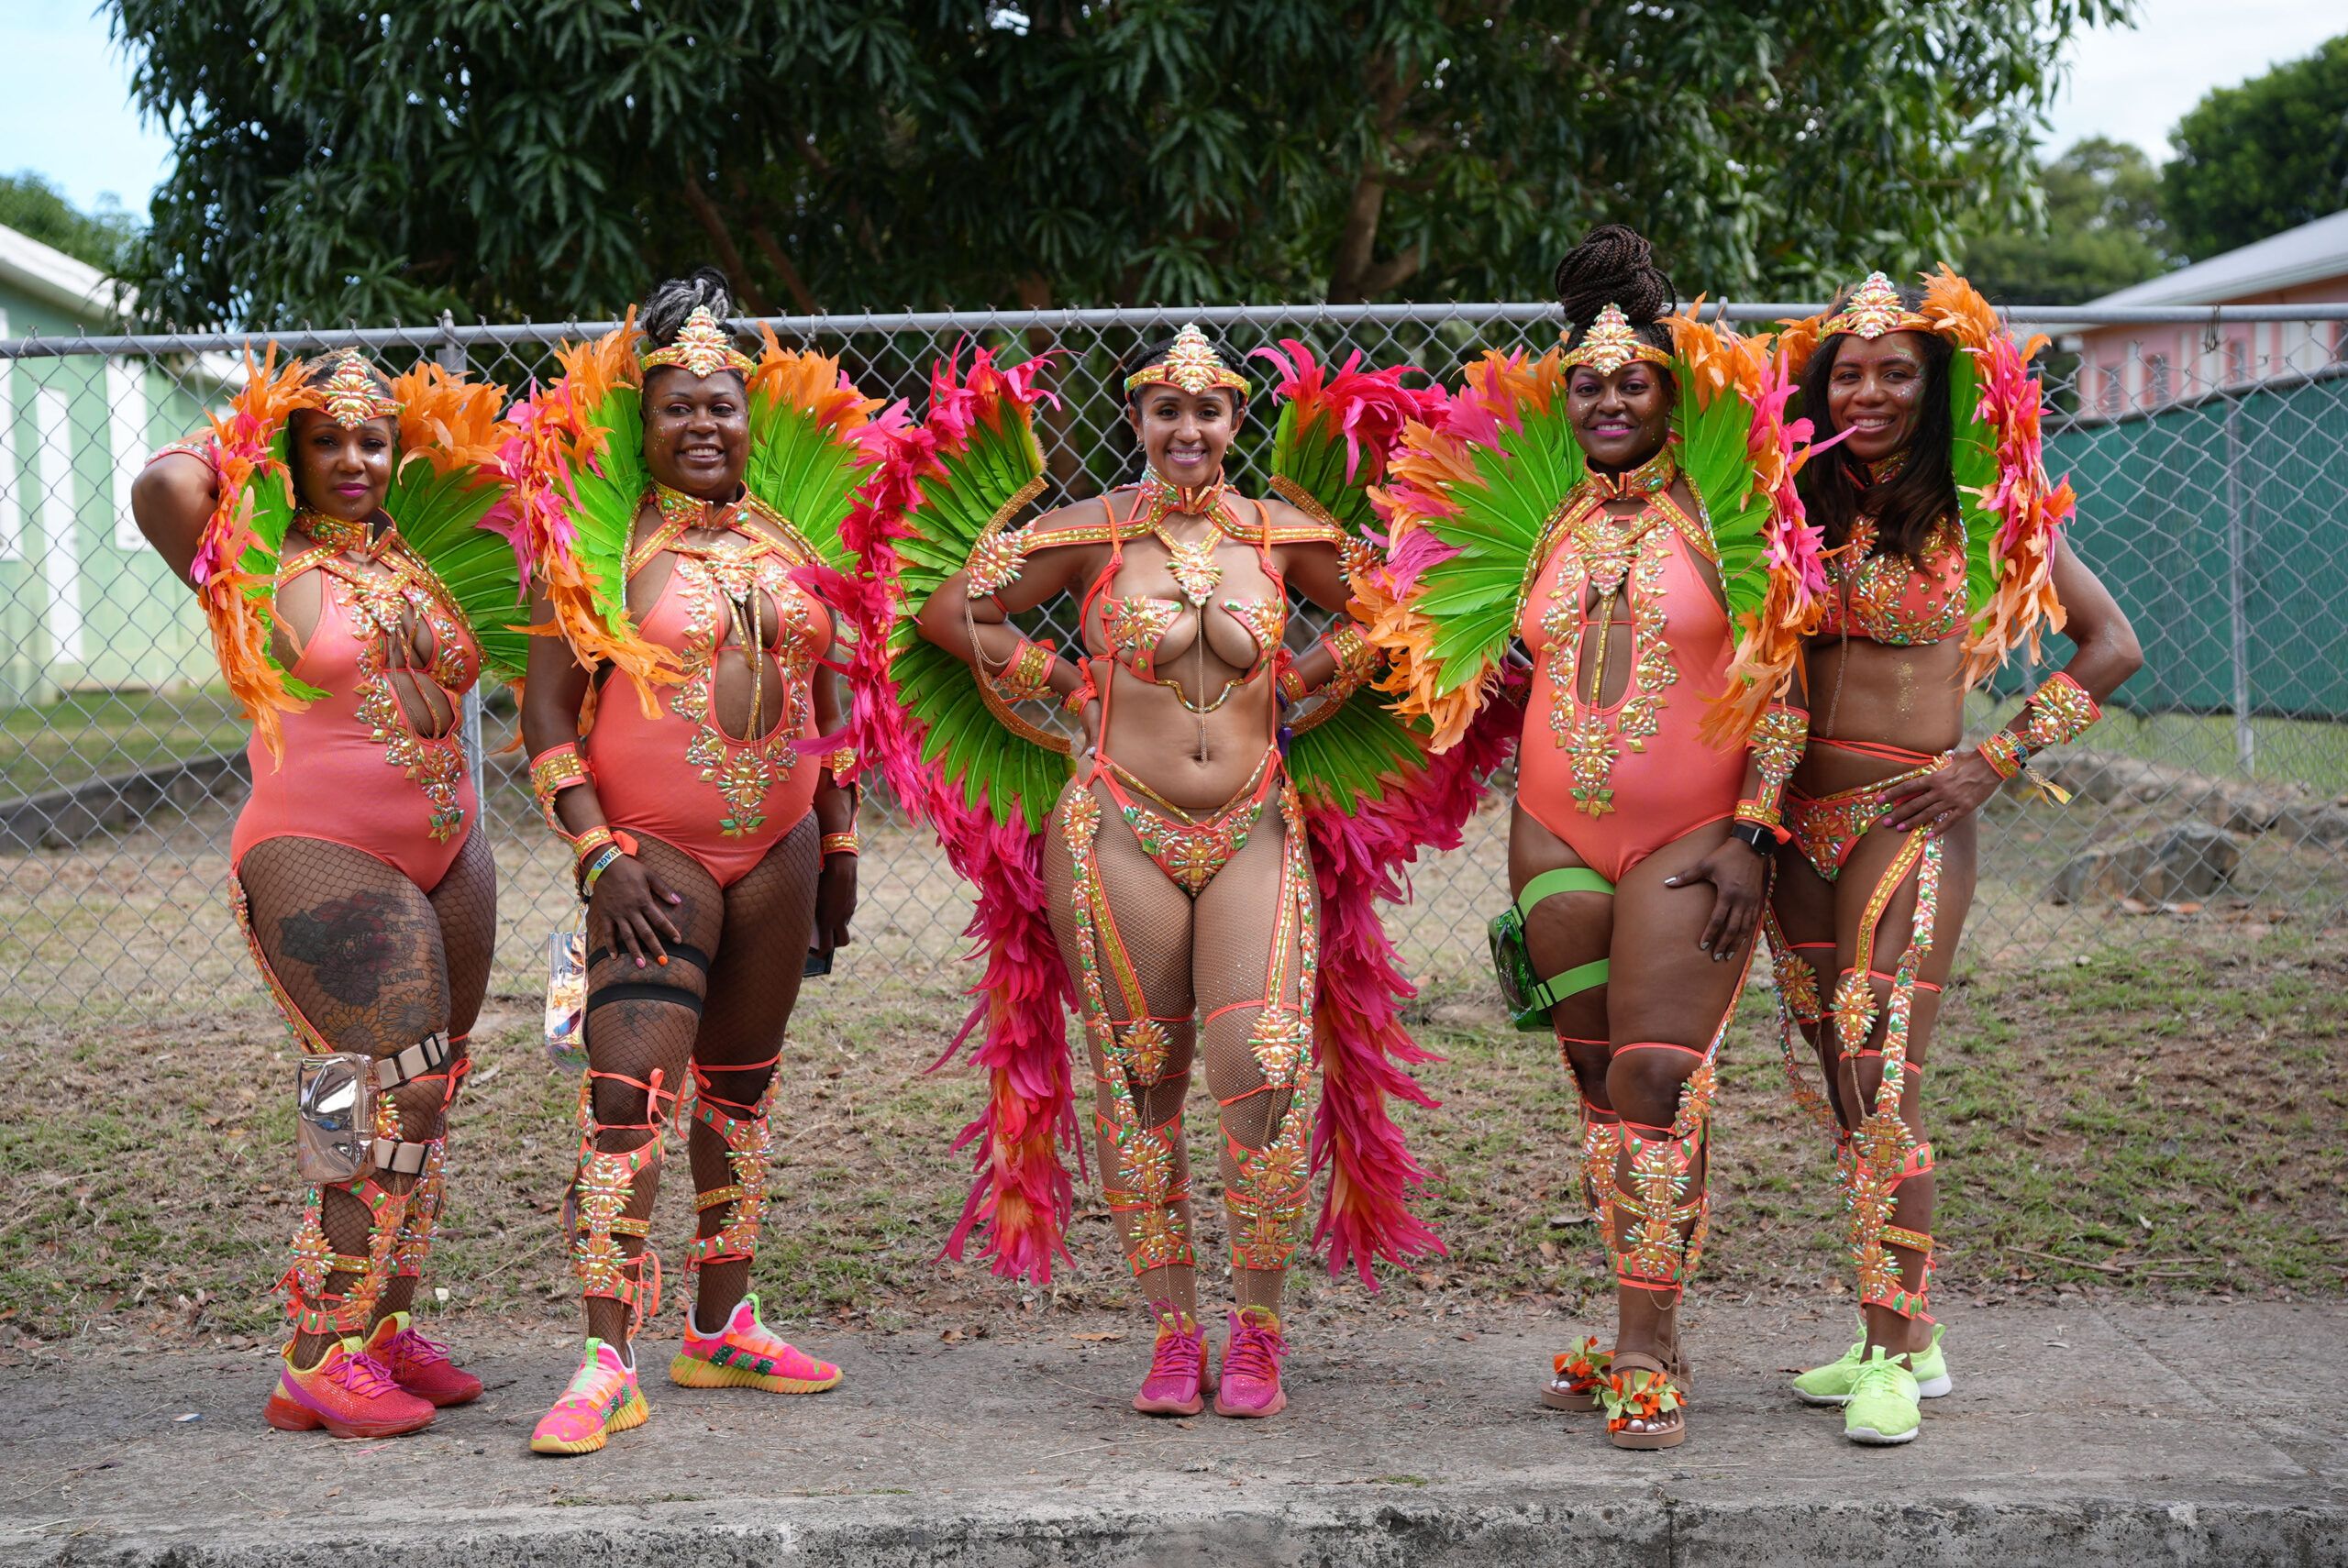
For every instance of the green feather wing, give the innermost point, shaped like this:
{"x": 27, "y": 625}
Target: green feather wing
{"x": 1714, "y": 455}
{"x": 1973, "y": 457}
{"x": 1000, "y": 772}
{"x": 603, "y": 496}
{"x": 439, "y": 515}
{"x": 806, "y": 469}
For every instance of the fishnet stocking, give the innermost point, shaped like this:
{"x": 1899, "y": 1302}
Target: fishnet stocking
{"x": 359, "y": 951}
{"x": 753, "y": 986}
{"x": 1210, "y": 956}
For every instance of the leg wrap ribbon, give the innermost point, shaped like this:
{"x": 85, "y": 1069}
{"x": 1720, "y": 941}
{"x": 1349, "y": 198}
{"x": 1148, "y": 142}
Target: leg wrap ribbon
{"x": 746, "y": 1157}
{"x": 424, "y": 1200}
{"x": 603, "y": 1187}
{"x": 1884, "y": 1151}
{"x": 1135, "y": 1060}
{"x": 1270, "y": 1188}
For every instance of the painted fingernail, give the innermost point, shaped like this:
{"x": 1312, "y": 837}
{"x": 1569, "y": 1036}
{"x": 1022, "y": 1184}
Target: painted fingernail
{"x": 662, "y": 960}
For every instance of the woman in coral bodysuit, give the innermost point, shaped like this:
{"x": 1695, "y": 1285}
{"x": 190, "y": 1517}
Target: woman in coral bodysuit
{"x": 1873, "y": 885}
{"x": 711, "y": 840}
{"x": 366, "y": 895}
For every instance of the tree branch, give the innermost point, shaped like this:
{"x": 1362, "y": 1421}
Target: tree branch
{"x": 764, "y": 239}
{"x": 729, "y": 256}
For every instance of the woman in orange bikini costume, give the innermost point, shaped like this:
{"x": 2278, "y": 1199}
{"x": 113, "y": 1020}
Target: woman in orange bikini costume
{"x": 1936, "y": 480}
{"x": 1638, "y": 874}
{"x": 367, "y": 896}
{"x": 1182, "y": 892}
{"x": 711, "y": 839}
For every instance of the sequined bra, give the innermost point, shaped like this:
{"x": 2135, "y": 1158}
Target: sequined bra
{"x": 1885, "y": 600}
{"x": 1136, "y": 625}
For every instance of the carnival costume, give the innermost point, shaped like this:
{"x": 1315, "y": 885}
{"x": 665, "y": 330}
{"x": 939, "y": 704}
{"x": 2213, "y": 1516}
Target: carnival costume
{"x": 978, "y": 754}
{"x": 336, "y": 758}
{"x": 1500, "y": 530}
{"x": 1985, "y": 572}
{"x": 664, "y": 766}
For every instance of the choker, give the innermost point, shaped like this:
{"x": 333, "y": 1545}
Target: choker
{"x": 1161, "y": 499}
{"x": 682, "y": 511}
{"x": 1882, "y": 472}
{"x": 337, "y": 534}
{"x": 1656, "y": 473}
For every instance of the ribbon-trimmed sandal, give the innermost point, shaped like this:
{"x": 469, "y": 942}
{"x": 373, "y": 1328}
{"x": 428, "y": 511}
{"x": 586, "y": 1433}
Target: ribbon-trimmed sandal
{"x": 1575, "y": 1374}
{"x": 1640, "y": 1388}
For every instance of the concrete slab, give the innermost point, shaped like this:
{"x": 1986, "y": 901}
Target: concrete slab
{"x": 2082, "y": 1433}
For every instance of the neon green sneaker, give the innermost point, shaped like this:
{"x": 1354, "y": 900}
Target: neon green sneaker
{"x": 1830, "y": 1384}
{"x": 1882, "y": 1409}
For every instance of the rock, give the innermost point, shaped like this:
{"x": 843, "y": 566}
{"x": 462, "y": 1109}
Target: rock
{"x": 2312, "y": 825}
{"x": 2192, "y": 858}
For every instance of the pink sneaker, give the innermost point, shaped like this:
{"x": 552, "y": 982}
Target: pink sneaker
{"x": 420, "y": 1365}
{"x": 746, "y": 1354}
{"x": 1178, "y": 1383}
{"x": 602, "y": 1399}
{"x": 347, "y": 1392}
{"x": 1251, "y": 1365}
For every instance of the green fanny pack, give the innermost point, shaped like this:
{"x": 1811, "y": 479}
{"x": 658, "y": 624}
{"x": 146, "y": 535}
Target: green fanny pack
{"x": 1530, "y": 998}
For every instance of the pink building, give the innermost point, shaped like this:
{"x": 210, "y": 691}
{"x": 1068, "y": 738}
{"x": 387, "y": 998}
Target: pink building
{"x": 2142, "y": 366}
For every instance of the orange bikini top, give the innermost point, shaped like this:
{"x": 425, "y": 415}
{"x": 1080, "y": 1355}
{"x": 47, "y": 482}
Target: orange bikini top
{"x": 1886, "y": 600}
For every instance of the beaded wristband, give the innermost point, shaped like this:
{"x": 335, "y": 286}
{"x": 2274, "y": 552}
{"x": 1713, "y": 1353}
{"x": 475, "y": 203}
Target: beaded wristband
{"x": 1353, "y": 652}
{"x": 1027, "y": 676}
{"x": 588, "y": 842}
{"x": 1291, "y": 684}
{"x": 847, "y": 843}
{"x": 1760, "y": 813}
{"x": 840, "y": 762}
{"x": 2005, "y": 751}
{"x": 1075, "y": 701}
{"x": 551, "y": 772}
{"x": 2058, "y": 711}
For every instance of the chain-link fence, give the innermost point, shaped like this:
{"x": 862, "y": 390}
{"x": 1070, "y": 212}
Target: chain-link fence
{"x": 2210, "y": 500}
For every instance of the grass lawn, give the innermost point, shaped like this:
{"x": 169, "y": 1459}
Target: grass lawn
{"x": 93, "y": 735}
{"x": 2304, "y": 751}
{"x": 2168, "y": 1118}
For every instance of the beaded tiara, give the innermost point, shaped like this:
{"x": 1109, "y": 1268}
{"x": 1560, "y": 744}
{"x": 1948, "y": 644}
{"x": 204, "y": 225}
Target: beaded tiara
{"x": 1873, "y": 309}
{"x": 1612, "y": 343}
{"x": 351, "y": 396}
{"x": 703, "y": 348}
{"x": 1192, "y": 364}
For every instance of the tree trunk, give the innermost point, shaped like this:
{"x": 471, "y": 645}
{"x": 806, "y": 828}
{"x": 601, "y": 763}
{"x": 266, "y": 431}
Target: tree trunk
{"x": 729, "y": 255}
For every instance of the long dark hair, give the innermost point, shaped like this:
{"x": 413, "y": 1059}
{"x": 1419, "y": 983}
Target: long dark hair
{"x": 1912, "y": 503}
{"x": 1614, "y": 264}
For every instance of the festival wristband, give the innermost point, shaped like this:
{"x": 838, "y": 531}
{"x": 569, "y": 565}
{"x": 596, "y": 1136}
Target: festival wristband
{"x": 593, "y": 873}
{"x": 847, "y": 843}
{"x": 2005, "y": 751}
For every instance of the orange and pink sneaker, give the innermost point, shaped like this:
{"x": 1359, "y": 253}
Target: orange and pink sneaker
{"x": 1251, "y": 1365}
{"x": 602, "y": 1399}
{"x": 348, "y": 1393}
{"x": 746, "y": 1354}
{"x": 1178, "y": 1382}
{"x": 420, "y": 1365}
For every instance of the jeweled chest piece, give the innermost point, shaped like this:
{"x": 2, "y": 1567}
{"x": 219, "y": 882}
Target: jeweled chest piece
{"x": 1193, "y": 565}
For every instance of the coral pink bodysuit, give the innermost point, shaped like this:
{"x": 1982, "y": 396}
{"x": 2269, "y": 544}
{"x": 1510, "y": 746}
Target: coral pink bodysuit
{"x": 356, "y": 772}
{"x": 1617, "y": 781}
{"x": 679, "y": 777}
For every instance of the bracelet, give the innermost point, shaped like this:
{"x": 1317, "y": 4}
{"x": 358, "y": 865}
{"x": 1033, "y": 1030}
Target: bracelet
{"x": 1291, "y": 684}
{"x": 841, "y": 763}
{"x": 588, "y": 842}
{"x": 2058, "y": 711}
{"x": 847, "y": 843}
{"x": 2006, "y": 752}
{"x": 1028, "y": 675}
{"x": 1353, "y": 652}
{"x": 1076, "y": 700}
{"x": 1760, "y": 813}
{"x": 1760, "y": 839}
{"x": 589, "y": 875}
{"x": 551, "y": 772}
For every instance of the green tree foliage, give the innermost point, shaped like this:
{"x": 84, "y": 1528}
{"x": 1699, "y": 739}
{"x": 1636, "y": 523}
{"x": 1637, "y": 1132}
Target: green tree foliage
{"x": 2260, "y": 158}
{"x": 2100, "y": 230}
{"x": 547, "y": 156}
{"x": 38, "y": 209}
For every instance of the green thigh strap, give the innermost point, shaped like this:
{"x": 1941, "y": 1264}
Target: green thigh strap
{"x": 1548, "y": 885}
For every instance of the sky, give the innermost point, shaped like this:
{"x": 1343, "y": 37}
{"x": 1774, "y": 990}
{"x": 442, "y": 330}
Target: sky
{"x": 72, "y": 119}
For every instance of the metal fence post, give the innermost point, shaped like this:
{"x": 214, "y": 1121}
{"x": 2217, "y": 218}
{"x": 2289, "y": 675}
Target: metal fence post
{"x": 2238, "y": 590}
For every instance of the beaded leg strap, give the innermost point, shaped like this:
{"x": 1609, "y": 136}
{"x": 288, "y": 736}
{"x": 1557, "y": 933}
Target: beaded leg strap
{"x": 1799, "y": 1011}
{"x": 1134, "y": 1059}
{"x": 1600, "y": 1148}
{"x": 745, "y": 1136}
{"x": 1269, "y": 1186}
{"x": 424, "y": 1200}
{"x": 1661, "y": 1194}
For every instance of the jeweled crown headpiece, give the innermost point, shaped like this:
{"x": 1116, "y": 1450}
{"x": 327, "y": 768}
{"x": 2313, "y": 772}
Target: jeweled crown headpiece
{"x": 352, "y": 395}
{"x": 1612, "y": 343}
{"x": 1873, "y": 309}
{"x": 703, "y": 348}
{"x": 1192, "y": 365}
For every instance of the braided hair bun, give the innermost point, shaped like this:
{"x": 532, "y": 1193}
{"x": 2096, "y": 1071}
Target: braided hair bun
{"x": 671, "y": 304}
{"x": 1614, "y": 264}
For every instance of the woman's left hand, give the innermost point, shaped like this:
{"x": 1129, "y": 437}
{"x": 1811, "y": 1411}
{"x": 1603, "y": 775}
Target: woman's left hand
{"x": 1739, "y": 879}
{"x": 1941, "y": 796}
{"x": 834, "y": 901}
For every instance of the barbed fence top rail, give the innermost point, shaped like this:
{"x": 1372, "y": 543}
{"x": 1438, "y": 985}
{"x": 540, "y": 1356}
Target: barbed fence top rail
{"x": 447, "y": 332}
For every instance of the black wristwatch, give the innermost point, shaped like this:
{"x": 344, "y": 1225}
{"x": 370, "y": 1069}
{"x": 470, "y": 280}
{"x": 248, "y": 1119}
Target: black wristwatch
{"x": 1754, "y": 837}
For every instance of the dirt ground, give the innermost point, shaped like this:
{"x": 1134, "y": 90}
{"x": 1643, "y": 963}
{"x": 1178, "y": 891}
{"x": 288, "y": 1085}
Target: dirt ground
{"x": 2163, "y": 1122}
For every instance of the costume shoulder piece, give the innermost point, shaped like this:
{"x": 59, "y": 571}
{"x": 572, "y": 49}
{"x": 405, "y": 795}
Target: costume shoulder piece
{"x": 450, "y": 499}
{"x": 1472, "y": 497}
{"x": 584, "y": 478}
{"x": 2013, "y": 516}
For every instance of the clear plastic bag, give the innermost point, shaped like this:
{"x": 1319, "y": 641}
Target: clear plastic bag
{"x": 334, "y": 1117}
{"x": 567, "y": 998}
